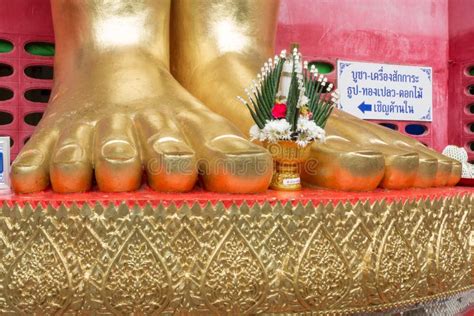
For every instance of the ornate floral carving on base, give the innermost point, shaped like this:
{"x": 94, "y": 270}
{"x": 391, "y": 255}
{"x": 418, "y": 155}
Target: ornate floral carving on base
{"x": 260, "y": 258}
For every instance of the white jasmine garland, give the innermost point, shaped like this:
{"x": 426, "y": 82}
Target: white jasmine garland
{"x": 256, "y": 133}
{"x": 308, "y": 130}
{"x": 320, "y": 135}
{"x": 276, "y": 130}
{"x": 302, "y": 140}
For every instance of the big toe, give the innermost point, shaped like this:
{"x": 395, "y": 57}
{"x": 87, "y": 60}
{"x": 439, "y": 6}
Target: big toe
{"x": 342, "y": 166}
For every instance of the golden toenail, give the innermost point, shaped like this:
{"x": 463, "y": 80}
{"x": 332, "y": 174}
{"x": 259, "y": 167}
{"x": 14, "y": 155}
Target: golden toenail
{"x": 118, "y": 150}
{"x": 172, "y": 147}
{"x": 30, "y": 158}
{"x": 69, "y": 154}
{"x": 234, "y": 145}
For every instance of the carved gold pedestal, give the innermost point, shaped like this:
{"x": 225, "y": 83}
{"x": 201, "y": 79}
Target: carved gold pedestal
{"x": 261, "y": 257}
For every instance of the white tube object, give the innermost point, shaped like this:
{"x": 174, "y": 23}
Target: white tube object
{"x": 285, "y": 79}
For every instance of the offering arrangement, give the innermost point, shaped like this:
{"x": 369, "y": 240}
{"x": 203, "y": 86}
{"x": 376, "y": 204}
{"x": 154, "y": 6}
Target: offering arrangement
{"x": 290, "y": 105}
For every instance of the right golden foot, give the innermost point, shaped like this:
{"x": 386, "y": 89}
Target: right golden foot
{"x": 434, "y": 169}
{"x": 219, "y": 47}
{"x": 116, "y": 110}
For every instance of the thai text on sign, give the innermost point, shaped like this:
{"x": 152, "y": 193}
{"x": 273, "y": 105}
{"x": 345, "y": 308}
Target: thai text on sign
{"x": 385, "y": 91}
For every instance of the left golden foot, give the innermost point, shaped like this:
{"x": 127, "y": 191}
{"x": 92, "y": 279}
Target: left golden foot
{"x": 116, "y": 110}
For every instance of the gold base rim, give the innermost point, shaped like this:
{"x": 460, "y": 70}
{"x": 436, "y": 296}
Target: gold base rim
{"x": 280, "y": 189}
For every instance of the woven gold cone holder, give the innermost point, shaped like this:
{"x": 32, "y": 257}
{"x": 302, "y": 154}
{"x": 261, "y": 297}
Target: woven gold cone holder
{"x": 287, "y": 159}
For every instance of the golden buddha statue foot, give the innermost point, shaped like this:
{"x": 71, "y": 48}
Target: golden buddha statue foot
{"x": 116, "y": 110}
{"x": 217, "y": 49}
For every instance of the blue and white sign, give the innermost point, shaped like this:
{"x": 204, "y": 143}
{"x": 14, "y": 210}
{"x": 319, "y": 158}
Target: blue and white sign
{"x": 385, "y": 92}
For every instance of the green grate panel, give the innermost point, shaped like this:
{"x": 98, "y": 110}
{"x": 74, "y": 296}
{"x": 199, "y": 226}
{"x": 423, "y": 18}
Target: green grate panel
{"x": 40, "y": 48}
{"x": 5, "y": 46}
{"x": 322, "y": 66}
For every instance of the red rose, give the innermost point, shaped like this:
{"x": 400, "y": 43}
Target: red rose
{"x": 279, "y": 110}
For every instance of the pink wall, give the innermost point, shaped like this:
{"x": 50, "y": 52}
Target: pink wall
{"x": 26, "y": 17}
{"x": 390, "y": 31}
{"x": 23, "y": 21}
{"x": 461, "y": 51}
